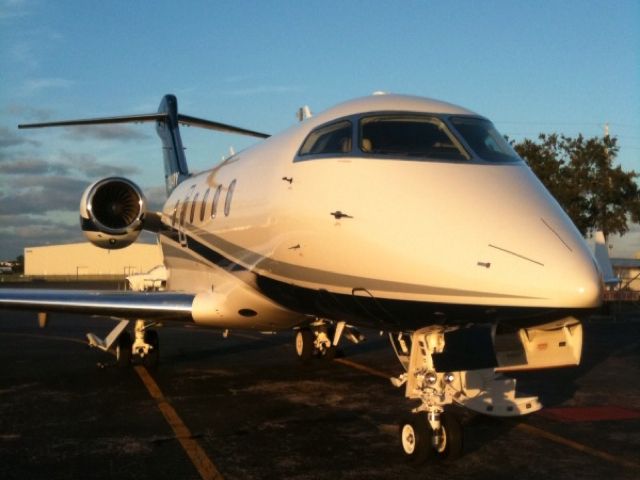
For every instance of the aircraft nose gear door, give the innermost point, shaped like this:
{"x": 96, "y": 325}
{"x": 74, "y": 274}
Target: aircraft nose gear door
{"x": 432, "y": 432}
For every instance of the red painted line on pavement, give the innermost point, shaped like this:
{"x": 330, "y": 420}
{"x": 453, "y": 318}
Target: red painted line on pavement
{"x": 589, "y": 414}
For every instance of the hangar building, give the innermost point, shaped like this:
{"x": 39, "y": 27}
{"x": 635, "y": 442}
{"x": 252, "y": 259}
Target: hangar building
{"x": 85, "y": 259}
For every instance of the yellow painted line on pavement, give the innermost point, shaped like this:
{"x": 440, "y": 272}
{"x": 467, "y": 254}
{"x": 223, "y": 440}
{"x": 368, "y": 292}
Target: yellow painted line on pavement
{"x": 197, "y": 455}
{"x": 363, "y": 368}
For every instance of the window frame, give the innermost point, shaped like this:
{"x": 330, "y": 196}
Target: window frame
{"x": 309, "y": 156}
{"x": 451, "y": 118}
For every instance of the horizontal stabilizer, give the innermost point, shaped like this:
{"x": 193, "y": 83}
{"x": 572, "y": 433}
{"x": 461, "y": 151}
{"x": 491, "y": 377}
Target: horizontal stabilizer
{"x": 151, "y": 117}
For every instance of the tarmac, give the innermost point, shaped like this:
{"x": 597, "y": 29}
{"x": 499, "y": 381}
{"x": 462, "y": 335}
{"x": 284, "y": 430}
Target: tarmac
{"x": 243, "y": 407}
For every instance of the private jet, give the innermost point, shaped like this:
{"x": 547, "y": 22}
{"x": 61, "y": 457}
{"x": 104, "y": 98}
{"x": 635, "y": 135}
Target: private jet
{"x": 402, "y": 214}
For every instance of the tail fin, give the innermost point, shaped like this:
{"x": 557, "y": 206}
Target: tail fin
{"x": 168, "y": 129}
{"x": 167, "y": 125}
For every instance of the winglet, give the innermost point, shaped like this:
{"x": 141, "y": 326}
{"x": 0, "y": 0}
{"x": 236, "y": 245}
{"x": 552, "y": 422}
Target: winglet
{"x": 604, "y": 262}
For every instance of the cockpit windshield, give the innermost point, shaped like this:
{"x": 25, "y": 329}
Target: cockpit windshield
{"x": 409, "y": 136}
{"x": 484, "y": 139}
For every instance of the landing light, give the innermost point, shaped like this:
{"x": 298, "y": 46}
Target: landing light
{"x": 431, "y": 378}
{"x": 449, "y": 377}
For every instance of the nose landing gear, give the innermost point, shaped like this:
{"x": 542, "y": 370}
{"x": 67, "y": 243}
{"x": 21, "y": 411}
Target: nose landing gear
{"x": 432, "y": 432}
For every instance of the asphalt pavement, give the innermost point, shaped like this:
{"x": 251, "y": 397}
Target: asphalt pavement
{"x": 243, "y": 407}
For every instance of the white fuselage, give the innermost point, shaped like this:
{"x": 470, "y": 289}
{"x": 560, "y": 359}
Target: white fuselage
{"x": 471, "y": 235}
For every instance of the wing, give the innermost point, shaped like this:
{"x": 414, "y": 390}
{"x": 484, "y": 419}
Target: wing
{"x": 144, "y": 305}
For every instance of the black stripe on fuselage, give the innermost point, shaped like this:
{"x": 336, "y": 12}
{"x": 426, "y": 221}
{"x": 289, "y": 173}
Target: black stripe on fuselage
{"x": 363, "y": 309}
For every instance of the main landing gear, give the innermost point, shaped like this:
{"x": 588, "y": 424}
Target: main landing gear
{"x": 431, "y": 432}
{"x": 145, "y": 345}
{"x": 321, "y": 337}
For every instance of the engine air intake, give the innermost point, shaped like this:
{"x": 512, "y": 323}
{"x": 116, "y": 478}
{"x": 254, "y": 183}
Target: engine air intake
{"x": 116, "y": 205}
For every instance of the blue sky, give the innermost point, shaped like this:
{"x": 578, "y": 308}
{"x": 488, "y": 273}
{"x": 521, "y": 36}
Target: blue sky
{"x": 563, "y": 66}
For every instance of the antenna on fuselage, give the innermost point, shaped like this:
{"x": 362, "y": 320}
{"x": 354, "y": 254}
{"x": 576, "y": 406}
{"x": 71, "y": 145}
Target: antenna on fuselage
{"x": 303, "y": 113}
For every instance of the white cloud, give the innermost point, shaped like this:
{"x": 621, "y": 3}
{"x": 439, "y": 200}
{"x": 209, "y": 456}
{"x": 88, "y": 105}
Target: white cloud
{"x": 9, "y": 138}
{"x": 106, "y": 132}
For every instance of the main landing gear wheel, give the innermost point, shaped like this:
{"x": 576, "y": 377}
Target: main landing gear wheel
{"x": 150, "y": 360}
{"x": 304, "y": 344}
{"x": 315, "y": 342}
{"x": 123, "y": 349}
{"x": 420, "y": 443}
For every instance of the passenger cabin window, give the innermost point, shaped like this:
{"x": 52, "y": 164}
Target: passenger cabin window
{"x": 484, "y": 139}
{"x": 417, "y": 136}
{"x": 203, "y": 206}
{"x": 330, "y": 139}
{"x": 183, "y": 210}
{"x": 227, "y": 201}
{"x": 214, "y": 202}
{"x": 175, "y": 213}
{"x": 194, "y": 202}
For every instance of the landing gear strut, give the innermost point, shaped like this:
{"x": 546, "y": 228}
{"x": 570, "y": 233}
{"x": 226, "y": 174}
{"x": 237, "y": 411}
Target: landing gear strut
{"x": 145, "y": 344}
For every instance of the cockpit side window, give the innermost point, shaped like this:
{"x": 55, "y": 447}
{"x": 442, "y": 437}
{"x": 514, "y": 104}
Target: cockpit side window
{"x": 330, "y": 139}
{"x": 484, "y": 139}
{"x": 403, "y": 135}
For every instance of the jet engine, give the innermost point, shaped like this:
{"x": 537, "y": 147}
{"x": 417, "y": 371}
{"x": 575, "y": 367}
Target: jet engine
{"x": 112, "y": 212}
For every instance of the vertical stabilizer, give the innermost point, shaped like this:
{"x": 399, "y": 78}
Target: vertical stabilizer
{"x": 175, "y": 162}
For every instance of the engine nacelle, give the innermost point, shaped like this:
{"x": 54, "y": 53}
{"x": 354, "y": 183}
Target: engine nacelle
{"x": 112, "y": 212}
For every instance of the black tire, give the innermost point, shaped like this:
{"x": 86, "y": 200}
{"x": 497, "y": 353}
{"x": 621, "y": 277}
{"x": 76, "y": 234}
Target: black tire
{"x": 303, "y": 343}
{"x": 452, "y": 443}
{"x": 123, "y": 349}
{"x": 151, "y": 359}
{"x": 415, "y": 439}
{"x": 329, "y": 354}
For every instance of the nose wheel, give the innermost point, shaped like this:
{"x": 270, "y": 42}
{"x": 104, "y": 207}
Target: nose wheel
{"x": 421, "y": 443}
